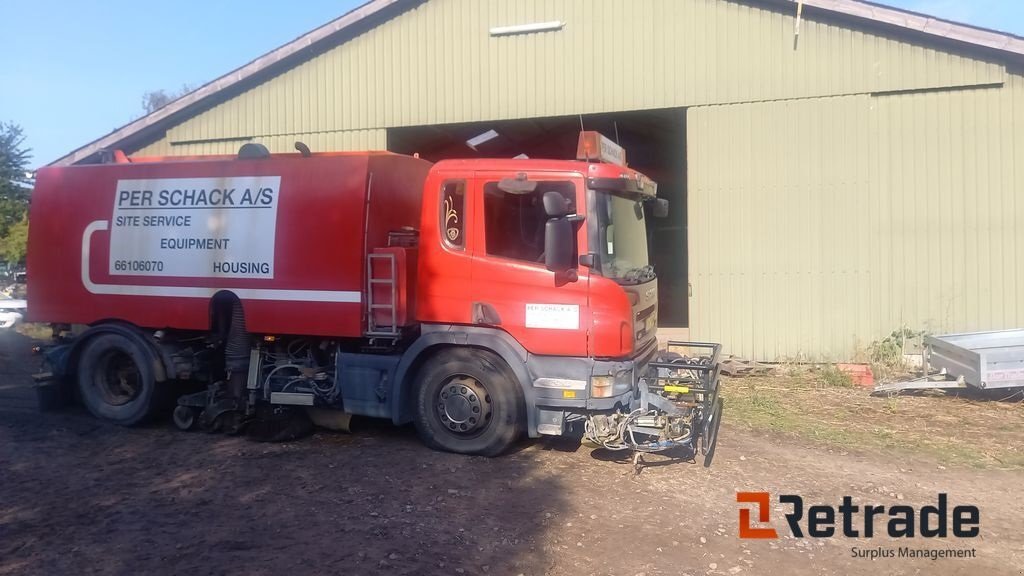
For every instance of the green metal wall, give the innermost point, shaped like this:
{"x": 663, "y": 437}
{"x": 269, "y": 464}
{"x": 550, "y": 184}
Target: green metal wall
{"x": 438, "y": 64}
{"x": 839, "y": 188}
{"x": 819, "y": 225}
{"x": 319, "y": 141}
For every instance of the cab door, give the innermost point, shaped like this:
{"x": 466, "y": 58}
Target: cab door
{"x": 444, "y": 286}
{"x": 511, "y": 288}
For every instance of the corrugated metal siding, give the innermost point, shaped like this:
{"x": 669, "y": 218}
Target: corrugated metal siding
{"x": 817, "y": 226}
{"x": 345, "y": 140}
{"x": 777, "y": 258}
{"x": 947, "y": 171}
{"x": 161, "y": 147}
{"x": 437, "y": 64}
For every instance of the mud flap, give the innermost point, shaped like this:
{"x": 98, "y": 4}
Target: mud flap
{"x": 54, "y": 388}
{"x": 52, "y": 392}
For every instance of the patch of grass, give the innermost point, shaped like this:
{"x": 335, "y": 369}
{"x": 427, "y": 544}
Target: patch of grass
{"x": 35, "y": 331}
{"x": 764, "y": 403}
{"x": 886, "y": 356}
{"x": 949, "y": 429}
{"x": 892, "y": 404}
{"x": 834, "y": 436}
{"x": 832, "y": 377}
{"x": 761, "y": 408}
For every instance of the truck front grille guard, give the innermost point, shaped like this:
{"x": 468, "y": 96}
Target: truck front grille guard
{"x": 679, "y": 407}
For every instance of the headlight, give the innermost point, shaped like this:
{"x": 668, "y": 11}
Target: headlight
{"x": 610, "y": 385}
{"x": 602, "y": 386}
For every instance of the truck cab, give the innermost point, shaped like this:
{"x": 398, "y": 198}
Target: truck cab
{"x": 553, "y": 256}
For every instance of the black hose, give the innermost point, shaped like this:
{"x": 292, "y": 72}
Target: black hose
{"x": 236, "y": 349}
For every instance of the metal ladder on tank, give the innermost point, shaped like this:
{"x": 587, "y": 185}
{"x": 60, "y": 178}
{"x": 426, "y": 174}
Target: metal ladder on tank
{"x": 391, "y": 282}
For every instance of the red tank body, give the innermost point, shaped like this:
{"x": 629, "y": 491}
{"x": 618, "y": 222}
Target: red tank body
{"x": 150, "y": 242}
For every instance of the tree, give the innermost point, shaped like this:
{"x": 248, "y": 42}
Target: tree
{"x": 14, "y": 246}
{"x": 15, "y": 189}
{"x": 157, "y": 99}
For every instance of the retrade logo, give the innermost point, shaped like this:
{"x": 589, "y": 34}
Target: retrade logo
{"x": 855, "y": 520}
{"x": 762, "y": 501}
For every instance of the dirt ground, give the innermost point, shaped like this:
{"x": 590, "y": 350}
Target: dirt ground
{"x": 969, "y": 427}
{"x": 81, "y": 497}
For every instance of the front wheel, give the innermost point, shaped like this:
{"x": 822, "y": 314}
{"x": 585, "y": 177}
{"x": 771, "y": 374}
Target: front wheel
{"x": 468, "y": 402}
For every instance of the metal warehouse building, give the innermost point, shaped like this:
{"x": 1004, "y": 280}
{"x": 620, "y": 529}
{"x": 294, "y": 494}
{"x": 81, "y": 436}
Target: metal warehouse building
{"x": 833, "y": 176}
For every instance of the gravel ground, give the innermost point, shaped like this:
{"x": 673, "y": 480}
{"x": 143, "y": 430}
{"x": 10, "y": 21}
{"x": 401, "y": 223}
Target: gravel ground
{"x": 78, "y": 496}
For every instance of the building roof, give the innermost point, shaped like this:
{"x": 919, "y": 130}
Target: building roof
{"x": 929, "y": 25}
{"x": 374, "y": 10}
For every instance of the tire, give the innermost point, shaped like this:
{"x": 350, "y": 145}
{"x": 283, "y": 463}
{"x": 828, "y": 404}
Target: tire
{"x": 468, "y": 402}
{"x": 186, "y": 418}
{"x": 116, "y": 380}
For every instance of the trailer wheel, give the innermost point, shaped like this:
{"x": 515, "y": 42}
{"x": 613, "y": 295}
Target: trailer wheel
{"x": 116, "y": 380}
{"x": 468, "y": 402}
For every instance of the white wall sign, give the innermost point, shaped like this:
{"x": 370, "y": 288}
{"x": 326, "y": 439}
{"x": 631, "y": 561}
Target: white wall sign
{"x": 554, "y": 316}
{"x": 195, "y": 227}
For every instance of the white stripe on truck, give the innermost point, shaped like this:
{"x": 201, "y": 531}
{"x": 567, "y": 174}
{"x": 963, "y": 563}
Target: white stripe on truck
{"x": 201, "y": 292}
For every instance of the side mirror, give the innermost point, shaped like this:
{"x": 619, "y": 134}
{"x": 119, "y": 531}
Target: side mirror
{"x": 559, "y": 244}
{"x": 660, "y": 208}
{"x": 555, "y": 205}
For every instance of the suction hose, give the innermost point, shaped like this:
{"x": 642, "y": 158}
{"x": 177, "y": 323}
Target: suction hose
{"x": 236, "y": 352}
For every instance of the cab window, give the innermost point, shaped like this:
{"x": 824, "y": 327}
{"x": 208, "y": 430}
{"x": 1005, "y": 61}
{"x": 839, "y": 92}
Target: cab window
{"x": 515, "y": 222}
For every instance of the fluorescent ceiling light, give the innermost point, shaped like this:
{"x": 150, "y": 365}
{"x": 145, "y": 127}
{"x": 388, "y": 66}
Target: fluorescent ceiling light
{"x": 527, "y": 28}
{"x": 481, "y": 138}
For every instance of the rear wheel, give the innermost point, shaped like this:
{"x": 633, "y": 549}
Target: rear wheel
{"x": 468, "y": 402}
{"x": 116, "y": 380}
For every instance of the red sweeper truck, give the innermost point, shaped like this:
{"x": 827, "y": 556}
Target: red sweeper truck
{"x": 480, "y": 299}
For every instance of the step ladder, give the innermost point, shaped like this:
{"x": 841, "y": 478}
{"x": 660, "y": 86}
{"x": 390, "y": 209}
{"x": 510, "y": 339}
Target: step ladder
{"x": 390, "y": 282}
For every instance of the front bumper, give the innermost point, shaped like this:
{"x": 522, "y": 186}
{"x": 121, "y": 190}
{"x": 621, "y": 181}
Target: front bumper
{"x": 562, "y": 387}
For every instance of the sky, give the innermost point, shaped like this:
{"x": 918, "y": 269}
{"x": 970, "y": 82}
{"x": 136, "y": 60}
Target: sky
{"x": 73, "y": 70}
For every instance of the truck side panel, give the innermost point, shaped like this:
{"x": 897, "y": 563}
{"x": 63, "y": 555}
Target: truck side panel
{"x": 316, "y": 280}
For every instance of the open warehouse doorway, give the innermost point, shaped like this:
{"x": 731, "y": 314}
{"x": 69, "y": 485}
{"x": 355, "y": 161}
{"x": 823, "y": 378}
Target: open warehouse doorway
{"x": 655, "y": 143}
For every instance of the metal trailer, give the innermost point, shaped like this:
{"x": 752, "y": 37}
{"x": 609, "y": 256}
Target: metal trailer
{"x": 986, "y": 360}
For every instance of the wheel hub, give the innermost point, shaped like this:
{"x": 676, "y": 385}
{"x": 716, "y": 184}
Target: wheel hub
{"x": 463, "y": 405}
{"x": 118, "y": 380}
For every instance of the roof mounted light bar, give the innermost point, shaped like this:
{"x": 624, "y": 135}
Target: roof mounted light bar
{"x": 596, "y": 147}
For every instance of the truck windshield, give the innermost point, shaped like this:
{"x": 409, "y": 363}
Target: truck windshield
{"x": 621, "y": 239}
